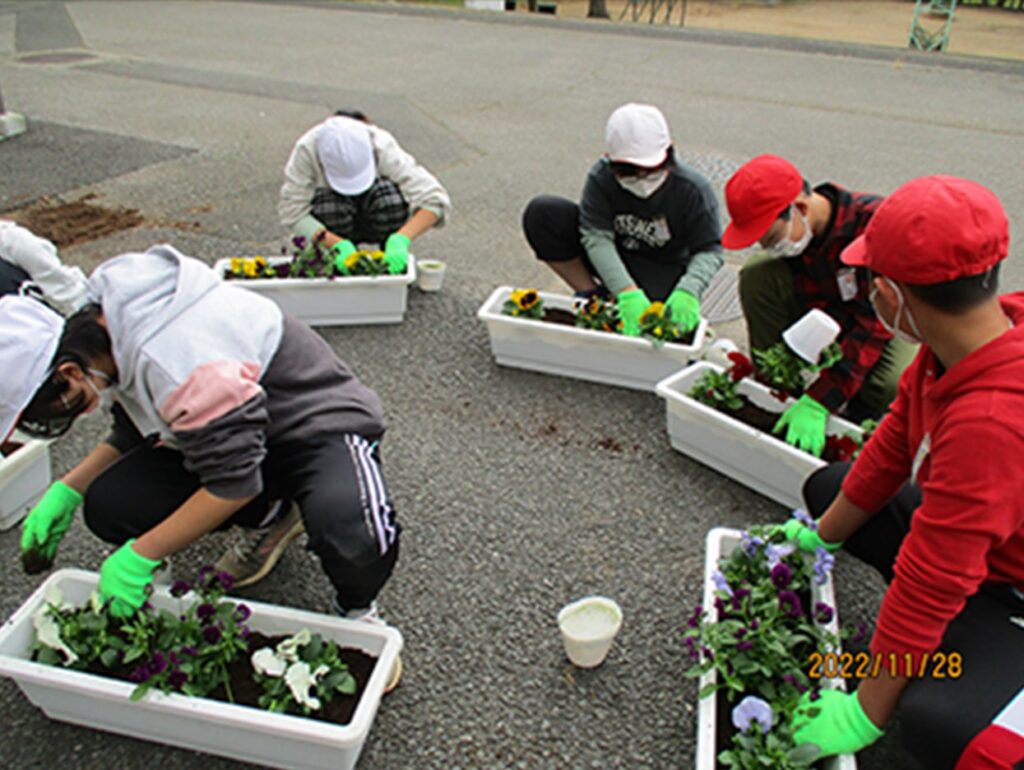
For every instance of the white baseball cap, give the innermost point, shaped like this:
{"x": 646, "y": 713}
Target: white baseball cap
{"x": 346, "y": 155}
{"x": 29, "y": 335}
{"x": 637, "y": 134}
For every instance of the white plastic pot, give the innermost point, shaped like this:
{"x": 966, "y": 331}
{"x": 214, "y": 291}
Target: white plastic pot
{"x": 239, "y": 732}
{"x": 589, "y": 626}
{"x": 341, "y": 301}
{"x": 24, "y": 477}
{"x": 761, "y": 461}
{"x": 583, "y": 354}
{"x": 720, "y": 542}
{"x": 430, "y": 275}
{"x": 814, "y": 332}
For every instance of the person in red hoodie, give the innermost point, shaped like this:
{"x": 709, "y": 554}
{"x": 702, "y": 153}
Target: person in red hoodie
{"x": 935, "y": 501}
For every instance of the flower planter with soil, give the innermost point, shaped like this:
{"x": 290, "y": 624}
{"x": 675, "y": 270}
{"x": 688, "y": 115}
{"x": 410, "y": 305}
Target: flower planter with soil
{"x": 554, "y": 345}
{"x": 24, "y": 477}
{"x": 228, "y": 729}
{"x": 339, "y": 301}
{"x": 714, "y": 726}
{"x": 721, "y": 440}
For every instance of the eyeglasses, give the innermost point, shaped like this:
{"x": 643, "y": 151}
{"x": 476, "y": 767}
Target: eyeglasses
{"x": 624, "y": 170}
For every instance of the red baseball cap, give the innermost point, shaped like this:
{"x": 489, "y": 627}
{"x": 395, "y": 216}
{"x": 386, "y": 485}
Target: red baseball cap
{"x": 755, "y": 195}
{"x": 933, "y": 229}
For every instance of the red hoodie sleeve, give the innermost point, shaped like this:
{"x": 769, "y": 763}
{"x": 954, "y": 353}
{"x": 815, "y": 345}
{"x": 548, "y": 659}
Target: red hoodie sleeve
{"x": 970, "y": 505}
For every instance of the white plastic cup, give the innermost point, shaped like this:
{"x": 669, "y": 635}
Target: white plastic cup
{"x": 718, "y": 352}
{"x": 588, "y": 627}
{"x": 430, "y": 274}
{"x": 811, "y": 334}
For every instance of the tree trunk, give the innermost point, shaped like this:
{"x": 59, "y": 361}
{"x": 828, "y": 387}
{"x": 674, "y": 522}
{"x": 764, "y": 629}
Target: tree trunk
{"x": 598, "y": 10}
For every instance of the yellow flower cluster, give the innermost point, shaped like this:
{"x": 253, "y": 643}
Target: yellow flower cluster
{"x": 248, "y": 267}
{"x": 525, "y": 299}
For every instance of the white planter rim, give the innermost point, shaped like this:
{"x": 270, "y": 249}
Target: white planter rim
{"x": 222, "y": 265}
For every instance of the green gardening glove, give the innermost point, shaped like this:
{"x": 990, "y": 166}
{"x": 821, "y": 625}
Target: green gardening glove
{"x": 124, "y": 578}
{"x": 49, "y": 521}
{"x": 396, "y": 253}
{"x": 632, "y": 305}
{"x": 805, "y": 423}
{"x": 684, "y": 308}
{"x": 807, "y": 539}
{"x": 835, "y": 722}
{"x": 341, "y": 251}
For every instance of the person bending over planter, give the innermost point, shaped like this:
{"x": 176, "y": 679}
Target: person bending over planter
{"x": 646, "y": 228}
{"x": 223, "y": 405}
{"x": 30, "y": 265}
{"x": 802, "y": 232}
{"x": 935, "y": 501}
{"x": 348, "y": 181}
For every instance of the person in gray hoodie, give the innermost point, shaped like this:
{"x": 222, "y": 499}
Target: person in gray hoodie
{"x": 222, "y": 405}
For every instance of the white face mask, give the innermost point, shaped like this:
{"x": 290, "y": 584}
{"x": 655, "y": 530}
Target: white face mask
{"x": 787, "y": 248}
{"x": 645, "y": 186}
{"x": 105, "y": 397}
{"x": 894, "y": 328}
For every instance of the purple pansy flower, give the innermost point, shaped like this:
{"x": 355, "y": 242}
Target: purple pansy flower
{"x": 180, "y": 588}
{"x": 205, "y": 611}
{"x": 781, "y": 575}
{"x": 861, "y": 634}
{"x": 774, "y": 554}
{"x": 694, "y": 619}
{"x": 226, "y": 579}
{"x": 805, "y": 518}
{"x": 752, "y": 711}
{"x": 744, "y": 645}
{"x": 823, "y": 613}
{"x": 750, "y": 543}
{"x": 823, "y": 562}
{"x": 176, "y": 679}
{"x": 188, "y": 649}
{"x": 791, "y": 679}
{"x": 721, "y": 584}
{"x": 139, "y": 675}
{"x": 790, "y": 602}
{"x": 242, "y": 612}
{"x": 157, "y": 664}
{"x": 211, "y": 634}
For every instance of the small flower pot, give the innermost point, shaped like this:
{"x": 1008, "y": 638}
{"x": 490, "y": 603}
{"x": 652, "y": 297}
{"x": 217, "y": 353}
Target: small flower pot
{"x": 24, "y": 477}
{"x": 588, "y": 627}
{"x": 814, "y": 332}
{"x": 238, "y": 732}
{"x": 583, "y": 354}
{"x": 340, "y": 301}
{"x": 430, "y": 275}
{"x": 761, "y": 461}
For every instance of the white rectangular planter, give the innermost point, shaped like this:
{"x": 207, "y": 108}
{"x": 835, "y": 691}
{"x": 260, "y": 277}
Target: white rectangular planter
{"x": 584, "y": 354}
{"x": 763, "y": 462}
{"x": 720, "y": 542}
{"x": 239, "y": 732}
{"x": 24, "y": 477}
{"x": 342, "y": 301}
{"x": 486, "y": 5}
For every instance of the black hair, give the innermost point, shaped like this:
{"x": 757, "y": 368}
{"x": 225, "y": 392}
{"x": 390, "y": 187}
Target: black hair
{"x": 960, "y": 294}
{"x": 84, "y": 341}
{"x": 788, "y": 211}
{"x": 347, "y": 112}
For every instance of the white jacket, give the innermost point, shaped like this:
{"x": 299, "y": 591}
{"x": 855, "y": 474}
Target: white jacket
{"x": 303, "y": 175}
{"x": 62, "y": 286}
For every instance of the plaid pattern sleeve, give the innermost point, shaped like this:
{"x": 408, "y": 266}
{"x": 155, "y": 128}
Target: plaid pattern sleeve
{"x": 818, "y": 281}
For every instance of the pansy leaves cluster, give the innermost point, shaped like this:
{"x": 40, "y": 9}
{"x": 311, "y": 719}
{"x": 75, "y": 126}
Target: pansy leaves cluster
{"x": 720, "y": 390}
{"x": 597, "y": 313}
{"x": 781, "y": 368}
{"x": 658, "y": 326}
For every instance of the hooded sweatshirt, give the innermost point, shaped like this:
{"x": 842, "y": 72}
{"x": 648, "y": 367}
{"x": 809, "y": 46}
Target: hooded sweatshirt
{"x": 959, "y": 435}
{"x": 32, "y": 263}
{"x": 219, "y": 372}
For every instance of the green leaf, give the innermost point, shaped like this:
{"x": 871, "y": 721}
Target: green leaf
{"x": 706, "y": 690}
{"x": 805, "y": 754}
{"x": 109, "y": 657}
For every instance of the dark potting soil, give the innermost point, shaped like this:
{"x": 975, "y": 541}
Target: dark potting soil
{"x": 9, "y": 448}
{"x": 763, "y": 420}
{"x": 568, "y": 318}
{"x": 246, "y": 692}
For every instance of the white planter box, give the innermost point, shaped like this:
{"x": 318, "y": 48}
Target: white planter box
{"x": 720, "y": 542}
{"x": 486, "y": 5}
{"x": 761, "y": 461}
{"x": 239, "y": 732}
{"x": 584, "y": 354}
{"x": 340, "y": 301}
{"x": 24, "y": 477}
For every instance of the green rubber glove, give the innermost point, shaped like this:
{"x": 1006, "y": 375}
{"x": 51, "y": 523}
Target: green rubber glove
{"x": 341, "y": 251}
{"x": 805, "y": 424}
{"x": 124, "y": 578}
{"x": 685, "y": 309}
{"x": 632, "y": 305}
{"x": 396, "y": 253}
{"x": 49, "y": 520}
{"x": 839, "y": 726}
{"x": 806, "y": 538}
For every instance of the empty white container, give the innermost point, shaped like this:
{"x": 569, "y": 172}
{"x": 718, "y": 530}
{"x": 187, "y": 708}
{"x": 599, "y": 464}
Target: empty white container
{"x": 589, "y": 626}
{"x": 239, "y": 732}
{"x": 430, "y": 274}
{"x": 341, "y": 301}
{"x": 814, "y": 332}
{"x": 24, "y": 477}
{"x": 761, "y": 461}
{"x": 721, "y": 541}
{"x": 583, "y": 354}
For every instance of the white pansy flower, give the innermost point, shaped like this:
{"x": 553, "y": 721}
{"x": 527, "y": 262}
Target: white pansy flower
{"x": 48, "y": 633}
{"x": 265, "y": 661}
{"x": 289, "y": 648}
{"x": 300, "y": 680}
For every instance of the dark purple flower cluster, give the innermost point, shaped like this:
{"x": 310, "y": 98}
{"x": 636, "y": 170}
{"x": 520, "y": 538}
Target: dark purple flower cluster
{"x": 781, "y": 575}
{"x": 790, "y": 602}
{"x": 180, "y": 588}
{"x": 211, "y": 634}
{"x": 823, "y": 613}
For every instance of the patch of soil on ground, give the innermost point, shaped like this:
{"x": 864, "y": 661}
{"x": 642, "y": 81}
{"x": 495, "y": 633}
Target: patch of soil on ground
{"x": 67, "y": 223}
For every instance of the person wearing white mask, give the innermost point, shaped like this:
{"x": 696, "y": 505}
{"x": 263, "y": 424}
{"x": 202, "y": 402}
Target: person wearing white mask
{"x": 802, "y": 232}
{"x": 29, "y": 265}
{"x": 646, "y": 228}
{"x": 348, "y": 181}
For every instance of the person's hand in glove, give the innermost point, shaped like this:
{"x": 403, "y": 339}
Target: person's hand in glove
{"x": 341, "y": 251}
{"x": 805, "y": 425}
{"x": 835, "y": 722}
{"x": 124, "y": 579}
{"x": 47, "y": 523}
{"x": 807, "y": 539}
{"x": 684, "y": 308}
{"x": 396, "y": 253}
{"x": 632, "y": 304}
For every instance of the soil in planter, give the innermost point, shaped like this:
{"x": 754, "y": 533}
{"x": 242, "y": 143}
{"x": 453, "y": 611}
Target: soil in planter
{"x": 246, "y": 692}
{"x": 553, "y": 315}
{"x": 763, "y": 420}
{"x": 9, "y": 448}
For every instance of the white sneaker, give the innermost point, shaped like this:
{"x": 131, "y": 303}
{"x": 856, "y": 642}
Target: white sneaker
{"x": 372, "y": 616}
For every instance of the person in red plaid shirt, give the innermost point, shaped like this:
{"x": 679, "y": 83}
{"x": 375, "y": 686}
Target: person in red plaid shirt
{"x": 803, "y": 231}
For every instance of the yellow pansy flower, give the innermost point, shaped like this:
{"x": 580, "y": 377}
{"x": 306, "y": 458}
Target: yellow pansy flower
{"x": 525, "y": 298}
{"x": 249, "y": 268}
{"x": 656, "y": 310}
{"x": 236, "y": 265}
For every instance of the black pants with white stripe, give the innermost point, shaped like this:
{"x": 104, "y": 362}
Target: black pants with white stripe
{"x": 335, "y": 480}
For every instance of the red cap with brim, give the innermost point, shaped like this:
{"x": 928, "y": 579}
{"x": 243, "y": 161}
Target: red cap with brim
{"x": 755, "y": 195}
{"x": 931, "y": 230}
